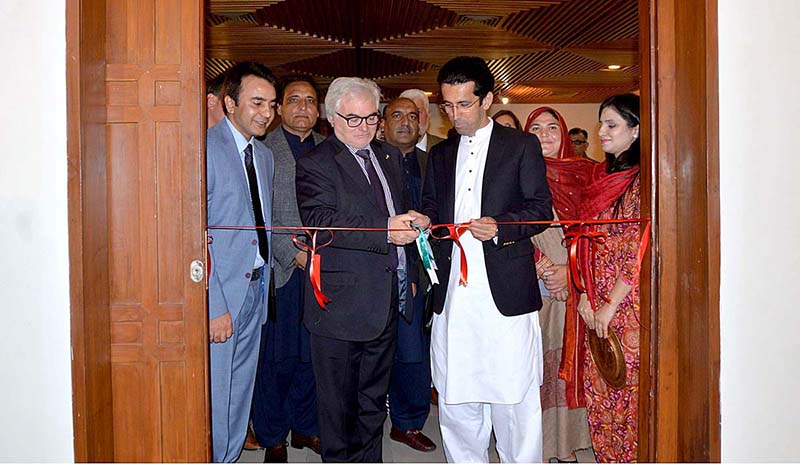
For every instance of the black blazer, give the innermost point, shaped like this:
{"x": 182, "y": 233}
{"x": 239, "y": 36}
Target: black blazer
{"x": 514, "y": 189}
{"x": 332, "y": 190}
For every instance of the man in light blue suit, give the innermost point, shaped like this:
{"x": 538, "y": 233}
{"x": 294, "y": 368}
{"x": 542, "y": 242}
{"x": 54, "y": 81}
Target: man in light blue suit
{"x": 239, "y": 193}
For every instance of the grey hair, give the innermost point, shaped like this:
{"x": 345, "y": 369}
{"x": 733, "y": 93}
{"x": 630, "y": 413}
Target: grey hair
{"x": 344, "y": 86}
{"x": 413, "y": 94}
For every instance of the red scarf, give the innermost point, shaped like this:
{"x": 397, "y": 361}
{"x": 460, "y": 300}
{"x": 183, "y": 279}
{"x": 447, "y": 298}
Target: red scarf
{"x": 598, "y": 196}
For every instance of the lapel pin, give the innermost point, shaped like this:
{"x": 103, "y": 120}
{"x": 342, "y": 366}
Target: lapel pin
{"x": 387, "y": 156}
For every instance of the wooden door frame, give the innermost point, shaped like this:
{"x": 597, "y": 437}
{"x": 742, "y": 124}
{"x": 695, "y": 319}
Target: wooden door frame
{"x": 88, "y": 232}
{"x": 679, "y": 413}
{"x": 679, "y": 416}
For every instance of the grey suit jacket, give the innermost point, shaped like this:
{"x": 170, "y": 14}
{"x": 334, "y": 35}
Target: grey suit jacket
{"x": 233, "y": 251}
{"x": 284, "y": 204}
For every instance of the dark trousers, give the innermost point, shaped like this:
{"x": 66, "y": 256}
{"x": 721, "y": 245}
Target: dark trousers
{"x": 352, "y": 382}
{"x": 410, "y": 387}
{"x": 285, "y": 396}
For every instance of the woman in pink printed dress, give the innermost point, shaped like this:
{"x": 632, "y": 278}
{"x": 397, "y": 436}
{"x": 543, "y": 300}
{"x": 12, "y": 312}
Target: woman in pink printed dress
{"x": 615, "y": 193}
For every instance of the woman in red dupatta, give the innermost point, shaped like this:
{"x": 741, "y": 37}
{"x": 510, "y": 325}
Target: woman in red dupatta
{"x": 564, "y": 429}
{"x": 611, "y": 298}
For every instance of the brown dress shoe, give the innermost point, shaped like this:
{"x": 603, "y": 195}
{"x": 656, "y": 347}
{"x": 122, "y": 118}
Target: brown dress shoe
{"x": 276, "y": 453}
{"x": 413, "y": 438}
{"x": 306, "y": 441}
{"x": 251, "y": 442}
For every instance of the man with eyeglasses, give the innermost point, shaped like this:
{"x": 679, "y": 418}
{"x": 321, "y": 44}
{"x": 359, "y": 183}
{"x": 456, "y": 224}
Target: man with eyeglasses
{"x": 579, "y": 139}
{"x": 351, "y": 180}
{"x": 486, "y": 341}
{"x": 285, "y": 396}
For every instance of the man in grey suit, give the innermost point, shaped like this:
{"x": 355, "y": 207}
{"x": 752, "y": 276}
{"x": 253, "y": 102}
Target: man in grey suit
{"x": 285, "y": 397}
{"x": 239, "y": 193}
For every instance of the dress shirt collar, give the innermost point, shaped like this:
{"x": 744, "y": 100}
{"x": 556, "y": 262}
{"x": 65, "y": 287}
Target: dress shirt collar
{"x": 422, "y": 144}
{"x": 241, "y": 143}
{"x": 481, "y": 135}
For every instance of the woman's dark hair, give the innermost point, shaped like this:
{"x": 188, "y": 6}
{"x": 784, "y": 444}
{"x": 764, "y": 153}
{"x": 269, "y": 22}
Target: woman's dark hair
{"x": 627, "y": 105}
{"x": 510, "y": 114}
{"x": 463, "y": 69}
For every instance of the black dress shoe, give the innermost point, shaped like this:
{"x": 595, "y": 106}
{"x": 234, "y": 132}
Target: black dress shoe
{"x": 276, "y": 453}
{"x": 311, "y": 442}
{"x": 413, "y": 438}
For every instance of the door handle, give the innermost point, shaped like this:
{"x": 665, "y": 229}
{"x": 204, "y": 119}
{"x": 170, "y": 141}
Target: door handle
{"x": 197, "y": 270}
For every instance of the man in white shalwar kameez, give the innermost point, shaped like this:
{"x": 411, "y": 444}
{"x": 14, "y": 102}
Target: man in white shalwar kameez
{"x": 486, "y": 343}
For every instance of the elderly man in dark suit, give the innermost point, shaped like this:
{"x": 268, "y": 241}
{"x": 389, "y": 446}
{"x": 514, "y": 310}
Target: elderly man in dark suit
{"x": 409, "y": 389}
{"x": 486, "y": 341}
{"x": 285, "y": 397}
{"x": 352, "y": 180}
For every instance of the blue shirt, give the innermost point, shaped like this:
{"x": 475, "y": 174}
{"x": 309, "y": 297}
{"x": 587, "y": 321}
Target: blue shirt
{"x": 241, "y": 144}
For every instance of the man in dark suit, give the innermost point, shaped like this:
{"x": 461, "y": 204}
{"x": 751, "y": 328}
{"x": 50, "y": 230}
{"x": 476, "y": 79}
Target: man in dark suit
{"x": 409, "y": 389}
{"x": 285, "y": 396}
{"x": 239, "y": 192}
{"x": 349, "y": 180}
{"x": 486, "y": 340}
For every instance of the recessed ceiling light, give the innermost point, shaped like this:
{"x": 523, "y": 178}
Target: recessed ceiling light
{"x": 614, "y": 67}
{"x": 504, "y": 100}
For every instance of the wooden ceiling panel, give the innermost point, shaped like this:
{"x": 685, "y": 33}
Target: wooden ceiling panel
{"x": 492, "y": 8}
{"x": 541, "y": 65}
{"x": 537, "y": 50}
{"x": 372, "y": 64}
{"x": 575, "y": 23}
{"x": 236, "y": 7}
{"x": 470, "y": 38}
{"x": 357, "y": 21}
{"x": 236, "y": 41}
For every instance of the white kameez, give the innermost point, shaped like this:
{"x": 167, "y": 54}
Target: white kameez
{"x": 478, "y": 354}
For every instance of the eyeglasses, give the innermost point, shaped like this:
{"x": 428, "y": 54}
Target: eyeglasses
{"x": 578, "y": 142}
{"x": 448, "y": 107}
{"x": 355, "y": 121}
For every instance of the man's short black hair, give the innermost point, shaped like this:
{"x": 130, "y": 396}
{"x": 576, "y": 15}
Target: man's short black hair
{"x": 463, "y": 69}
{"x": 298, "y": 78}
{"x": 215, "y": 85}
{"x": 235, "y": 75}
{"x": 578, "y": 130}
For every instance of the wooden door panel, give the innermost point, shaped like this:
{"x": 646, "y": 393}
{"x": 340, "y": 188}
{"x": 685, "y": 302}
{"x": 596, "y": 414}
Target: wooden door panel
{"x": 155, "y": 194}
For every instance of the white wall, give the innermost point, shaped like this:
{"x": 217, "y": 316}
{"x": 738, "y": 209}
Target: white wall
{"x": 759, "y": 46}
{"x": 576, "y": 115}
{"x": 35, "y": 390}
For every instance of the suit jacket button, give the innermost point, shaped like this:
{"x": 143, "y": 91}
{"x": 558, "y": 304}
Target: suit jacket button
{"x": 388, "y": 269}
{"x": 254, "y": 242}
{"x": 247, "y": 275}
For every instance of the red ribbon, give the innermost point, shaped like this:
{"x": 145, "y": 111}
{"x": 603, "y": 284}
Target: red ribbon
{"x": 315, "y": 264}
{"x": 454, "y": 232}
